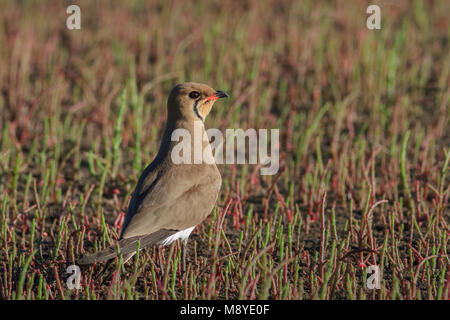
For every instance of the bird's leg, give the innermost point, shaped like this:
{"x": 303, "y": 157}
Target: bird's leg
{"x": 185, "y": 250}
{"x": 126, "y": 258}
{"x": 107, "y": 264}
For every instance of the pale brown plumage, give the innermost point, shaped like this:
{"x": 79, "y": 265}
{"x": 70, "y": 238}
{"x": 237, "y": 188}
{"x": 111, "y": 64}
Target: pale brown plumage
{"x": 170, "y": 197}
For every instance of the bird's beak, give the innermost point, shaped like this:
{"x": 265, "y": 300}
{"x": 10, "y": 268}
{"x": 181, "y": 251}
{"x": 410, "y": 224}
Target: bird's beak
{"x": 219, "y": 94}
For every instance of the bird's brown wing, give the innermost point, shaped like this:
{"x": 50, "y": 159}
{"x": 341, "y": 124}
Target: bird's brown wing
{"x": 175, "y": 198}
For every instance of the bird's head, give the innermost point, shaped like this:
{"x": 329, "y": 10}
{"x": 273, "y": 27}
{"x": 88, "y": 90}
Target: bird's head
{"x": 192, "y": 101}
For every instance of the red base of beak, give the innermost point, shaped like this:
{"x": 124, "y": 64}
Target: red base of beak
{"x": 213, "y": 97}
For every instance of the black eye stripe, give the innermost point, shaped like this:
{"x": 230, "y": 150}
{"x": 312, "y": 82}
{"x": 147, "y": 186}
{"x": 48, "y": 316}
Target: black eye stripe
{"x": 196, "y": 111}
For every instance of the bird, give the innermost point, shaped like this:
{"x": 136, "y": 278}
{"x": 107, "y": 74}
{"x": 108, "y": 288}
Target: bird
{"x": 171, "y": 198}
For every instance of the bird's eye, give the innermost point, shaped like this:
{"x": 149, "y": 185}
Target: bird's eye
{"x": 194, "y": 94}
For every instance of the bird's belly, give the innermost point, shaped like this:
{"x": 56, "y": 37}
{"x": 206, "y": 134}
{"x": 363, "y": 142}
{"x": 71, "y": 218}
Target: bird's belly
{"x": 194, "y": 206}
